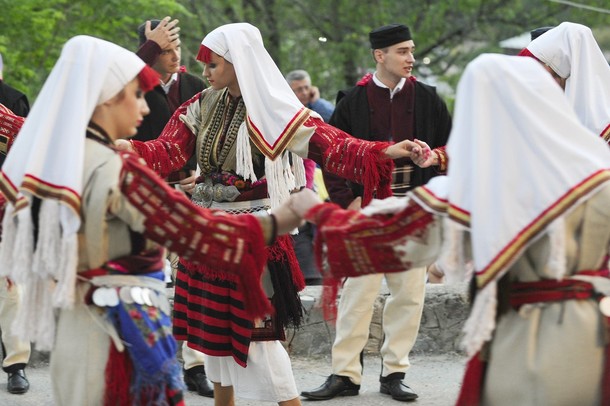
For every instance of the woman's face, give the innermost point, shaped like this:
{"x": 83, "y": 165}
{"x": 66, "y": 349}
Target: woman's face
{"x": 221, "y": 74}
{"x": 128, "y": 110}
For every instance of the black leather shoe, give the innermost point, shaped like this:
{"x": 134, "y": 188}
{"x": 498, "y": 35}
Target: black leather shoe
{"x": 197, "y": 381}
{"x": 17, "y": 382}
{"x": 398, "y": 390}
{"x": 335, "y": 385}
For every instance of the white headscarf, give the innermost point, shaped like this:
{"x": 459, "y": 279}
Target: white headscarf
{"x": 572, "y": 52}
{"x": 275, "y": 114}
{"x": 520, "y": 159}
{"x": 272, "y": 106}
{"x": 47, "y": 160}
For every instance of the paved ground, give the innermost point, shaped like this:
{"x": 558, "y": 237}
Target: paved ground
{"x": 436, "y": 378}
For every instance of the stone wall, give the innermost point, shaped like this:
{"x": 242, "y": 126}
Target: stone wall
{"x": 445, "y": 310}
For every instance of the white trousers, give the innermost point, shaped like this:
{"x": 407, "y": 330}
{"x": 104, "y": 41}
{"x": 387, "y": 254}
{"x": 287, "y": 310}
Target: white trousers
{"x": 192, "y": 358}
{"x": 17, "y": 351}
{"x": 401, "y": 317}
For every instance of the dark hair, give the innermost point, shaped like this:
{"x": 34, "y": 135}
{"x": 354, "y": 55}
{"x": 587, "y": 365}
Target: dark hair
{"x": 142, "y": 30}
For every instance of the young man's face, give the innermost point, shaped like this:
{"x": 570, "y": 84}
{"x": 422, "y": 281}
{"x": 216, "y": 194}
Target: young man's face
{"x": 398, "y": 59}
{"x": 169, "y": 60}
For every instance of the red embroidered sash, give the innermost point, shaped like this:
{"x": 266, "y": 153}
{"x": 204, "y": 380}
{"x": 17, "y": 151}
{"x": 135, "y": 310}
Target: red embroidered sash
{"x": 539, "y": 292}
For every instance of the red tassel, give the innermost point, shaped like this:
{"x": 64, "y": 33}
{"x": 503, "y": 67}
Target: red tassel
{"x": 329, "y": 298}
{"x": 472, "y": 386}
{"x": 118, "y": 373}
{"x": 365, "y": 79}
{"x": 526, "y": 52}
{"x": 176, "y": 397}
{"x": 205, "y": 54}
{"x": 149, "y": 78}
{"x": 283, "y": 251}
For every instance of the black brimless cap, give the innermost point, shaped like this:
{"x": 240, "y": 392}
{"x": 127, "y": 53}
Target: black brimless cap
{"x": 389, "y": 35}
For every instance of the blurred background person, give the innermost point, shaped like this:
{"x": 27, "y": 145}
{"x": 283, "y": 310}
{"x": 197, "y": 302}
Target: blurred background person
{"x": 16, "y": 353}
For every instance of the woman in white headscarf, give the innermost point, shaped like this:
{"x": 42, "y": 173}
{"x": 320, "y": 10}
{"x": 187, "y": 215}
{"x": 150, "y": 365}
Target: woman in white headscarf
{"x": 535, "y": 230}
{"x": 83, "y": 229}
{"x": 570, "y": 53}
{"x": 249, "y": 133}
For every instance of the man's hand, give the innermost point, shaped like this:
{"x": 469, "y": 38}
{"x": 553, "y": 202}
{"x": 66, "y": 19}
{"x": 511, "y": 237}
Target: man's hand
{"x": 188, "y": 184}
{"x": 402, "y": 149}
{"x": 424, "y": 157}
{"x": 165, "y": 33}
{"x": 287, "y": 219}
{"x": 301, "y": 202}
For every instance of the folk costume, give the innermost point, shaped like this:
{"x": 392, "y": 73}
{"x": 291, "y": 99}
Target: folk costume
{"x": 82, "y": 232}
{"x": 367, "y": 111}
{"x": 372, "y": 111}
{"x": 245, "y": 147}
{"x": 540, "y": 278}
{"x": 572, "y": 52}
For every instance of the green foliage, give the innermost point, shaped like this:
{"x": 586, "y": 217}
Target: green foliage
{"x": 35, "y": 30}
{"x": 328, "y": 38}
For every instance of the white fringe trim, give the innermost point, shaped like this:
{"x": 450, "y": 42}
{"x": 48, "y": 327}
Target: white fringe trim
{"x": 288, "y": 173}
{"x": 299, "y": 171}
{"x": 557, "y": 242}
{"x": 481, "y": 322}
{"x": 47, "y": 254}
{"x": 47, "y": 275}
{"x": 23, "y": 249}
{"x": 244, "y": 166}
{"x": 452, "y": 260}
{"x": 279, "y": 184}
{"x": 35, "y": 319}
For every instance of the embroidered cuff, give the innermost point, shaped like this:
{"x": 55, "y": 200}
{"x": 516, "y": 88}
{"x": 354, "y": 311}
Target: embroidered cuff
{"x": 441, "y": 157}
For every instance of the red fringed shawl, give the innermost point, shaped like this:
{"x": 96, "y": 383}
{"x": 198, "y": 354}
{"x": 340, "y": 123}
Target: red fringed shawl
{"x": 349, "y": 243}
{"x": 351, "y": 158}
{"x": 212, "y": 238}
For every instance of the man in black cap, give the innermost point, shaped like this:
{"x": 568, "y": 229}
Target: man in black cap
{"x": 389, "y": 105}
